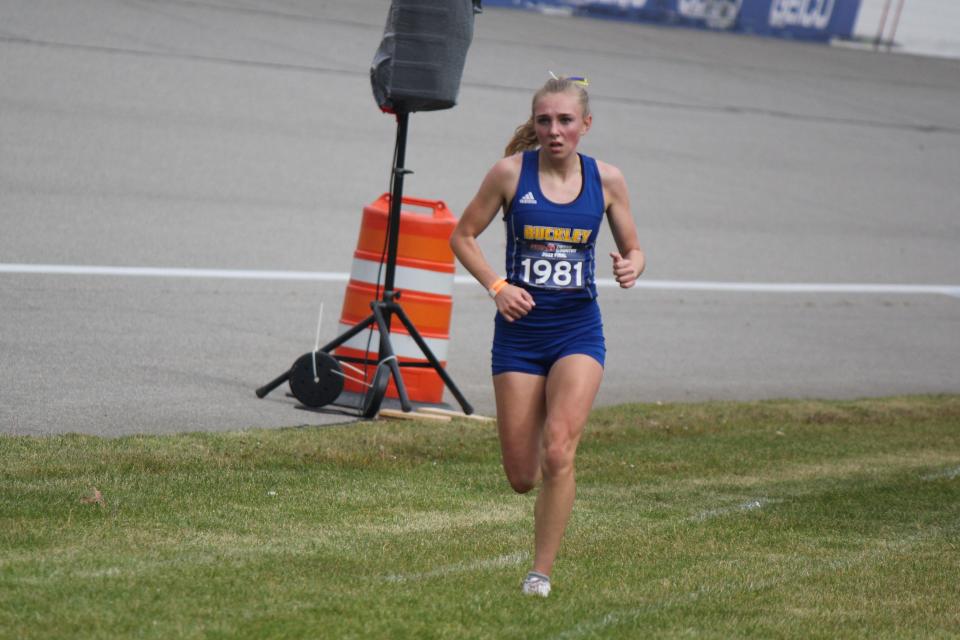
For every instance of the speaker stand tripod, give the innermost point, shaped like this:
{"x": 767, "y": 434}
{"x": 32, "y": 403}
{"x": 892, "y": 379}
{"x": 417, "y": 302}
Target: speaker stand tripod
{"x": 382, "y": 312}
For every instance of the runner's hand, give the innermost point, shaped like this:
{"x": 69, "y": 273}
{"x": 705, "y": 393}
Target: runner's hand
{"x": 514, "y": 302}
{"x": 624, "y": 271}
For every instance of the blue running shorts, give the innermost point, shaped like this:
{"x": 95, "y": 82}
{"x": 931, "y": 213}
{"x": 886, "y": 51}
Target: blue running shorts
{"x": 534, "y": 342}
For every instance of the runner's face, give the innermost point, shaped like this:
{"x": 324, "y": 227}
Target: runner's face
{"x": 559, "y": 123}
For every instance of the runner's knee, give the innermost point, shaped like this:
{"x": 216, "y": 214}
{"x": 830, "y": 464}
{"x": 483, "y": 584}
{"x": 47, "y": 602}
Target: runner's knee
{"x": 522, "y": 478}
{"x": 558, "y": 458}
{"x": 522, "y": 483}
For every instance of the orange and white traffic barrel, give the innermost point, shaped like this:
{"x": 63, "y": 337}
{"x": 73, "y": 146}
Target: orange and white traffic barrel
{"x": 424, "y": 276}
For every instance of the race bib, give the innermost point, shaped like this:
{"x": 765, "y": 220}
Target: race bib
{"x": 552, "y": 265}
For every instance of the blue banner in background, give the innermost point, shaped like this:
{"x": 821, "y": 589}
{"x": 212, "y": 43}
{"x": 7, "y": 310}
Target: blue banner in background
{"x": 802, "y": 19}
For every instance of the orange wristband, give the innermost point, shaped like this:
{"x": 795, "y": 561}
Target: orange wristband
{"x": 496, "y": 286}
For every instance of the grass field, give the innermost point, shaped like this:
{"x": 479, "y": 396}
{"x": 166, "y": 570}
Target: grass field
{"x": 717, "y": 520}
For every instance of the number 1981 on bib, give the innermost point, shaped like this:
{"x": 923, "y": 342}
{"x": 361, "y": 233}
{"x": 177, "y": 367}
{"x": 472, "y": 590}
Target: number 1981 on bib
{"x": 553, "y": 273}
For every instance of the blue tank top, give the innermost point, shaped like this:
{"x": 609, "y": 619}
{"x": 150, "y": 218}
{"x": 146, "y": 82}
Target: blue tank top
{"x": 550, "y": 247}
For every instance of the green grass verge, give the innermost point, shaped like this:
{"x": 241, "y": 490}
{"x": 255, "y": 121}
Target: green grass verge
{"x": 716, "y": 520}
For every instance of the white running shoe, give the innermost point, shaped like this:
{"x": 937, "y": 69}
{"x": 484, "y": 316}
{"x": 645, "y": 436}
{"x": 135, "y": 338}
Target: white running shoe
{"x": 536, "y": 584}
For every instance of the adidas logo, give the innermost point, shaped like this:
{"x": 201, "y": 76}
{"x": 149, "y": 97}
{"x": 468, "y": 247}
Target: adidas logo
{"x": 528, "y": 198}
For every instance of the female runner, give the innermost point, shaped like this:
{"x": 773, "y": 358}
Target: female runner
{"x": 548, "y": 346}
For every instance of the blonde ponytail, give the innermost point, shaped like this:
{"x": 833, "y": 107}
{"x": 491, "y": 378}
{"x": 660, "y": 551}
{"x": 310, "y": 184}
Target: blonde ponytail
{"x": 524, "y": 139}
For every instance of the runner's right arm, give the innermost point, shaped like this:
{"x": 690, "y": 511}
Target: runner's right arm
{"x": 495, "y": 192}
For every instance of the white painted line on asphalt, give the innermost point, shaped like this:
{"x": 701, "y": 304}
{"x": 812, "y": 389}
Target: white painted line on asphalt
{"x": 168, "y": 272}
{"x": 794, "y": 287}
{"x": 339, "y": 276}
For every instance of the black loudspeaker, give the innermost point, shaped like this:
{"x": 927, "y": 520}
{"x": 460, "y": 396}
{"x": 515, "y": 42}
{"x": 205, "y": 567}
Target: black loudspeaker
{"x": 420, "y": 60}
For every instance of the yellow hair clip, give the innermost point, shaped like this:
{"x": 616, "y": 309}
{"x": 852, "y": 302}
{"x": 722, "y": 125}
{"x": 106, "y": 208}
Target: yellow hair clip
{"x": 579, "y": 80}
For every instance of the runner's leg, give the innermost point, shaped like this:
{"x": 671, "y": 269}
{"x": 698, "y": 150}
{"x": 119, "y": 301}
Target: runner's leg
{"x": 521, "y": 410}
{"x": 571, "y": 387}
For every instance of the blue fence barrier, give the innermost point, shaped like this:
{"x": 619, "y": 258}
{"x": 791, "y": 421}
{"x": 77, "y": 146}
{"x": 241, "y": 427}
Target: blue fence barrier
{"x": 802, "y": 19}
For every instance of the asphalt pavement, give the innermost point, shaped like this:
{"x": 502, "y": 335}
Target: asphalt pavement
{"x": 213, "y": 139}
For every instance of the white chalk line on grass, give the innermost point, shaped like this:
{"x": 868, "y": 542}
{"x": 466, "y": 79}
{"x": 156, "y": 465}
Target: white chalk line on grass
{"x": 337, "y": 276}
{"x": 946, "y": 474}
{"x": 728, "y": 589}
{"x": 750, "y": 505}
{"x": 508, "y": 560}
{"x": 625, "y": 616}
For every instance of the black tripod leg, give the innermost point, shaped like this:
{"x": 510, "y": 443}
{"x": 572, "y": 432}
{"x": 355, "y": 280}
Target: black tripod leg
{"x": 342, "y": 338}
{"x": 386, "y": 353}
{"x": 447, "y": 380}
{"x": 279, "y": 380}
{"x": 273, "y": 384}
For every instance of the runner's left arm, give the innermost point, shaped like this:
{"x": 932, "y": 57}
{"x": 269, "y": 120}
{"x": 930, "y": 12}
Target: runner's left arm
{"x": 629, "y": 261}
